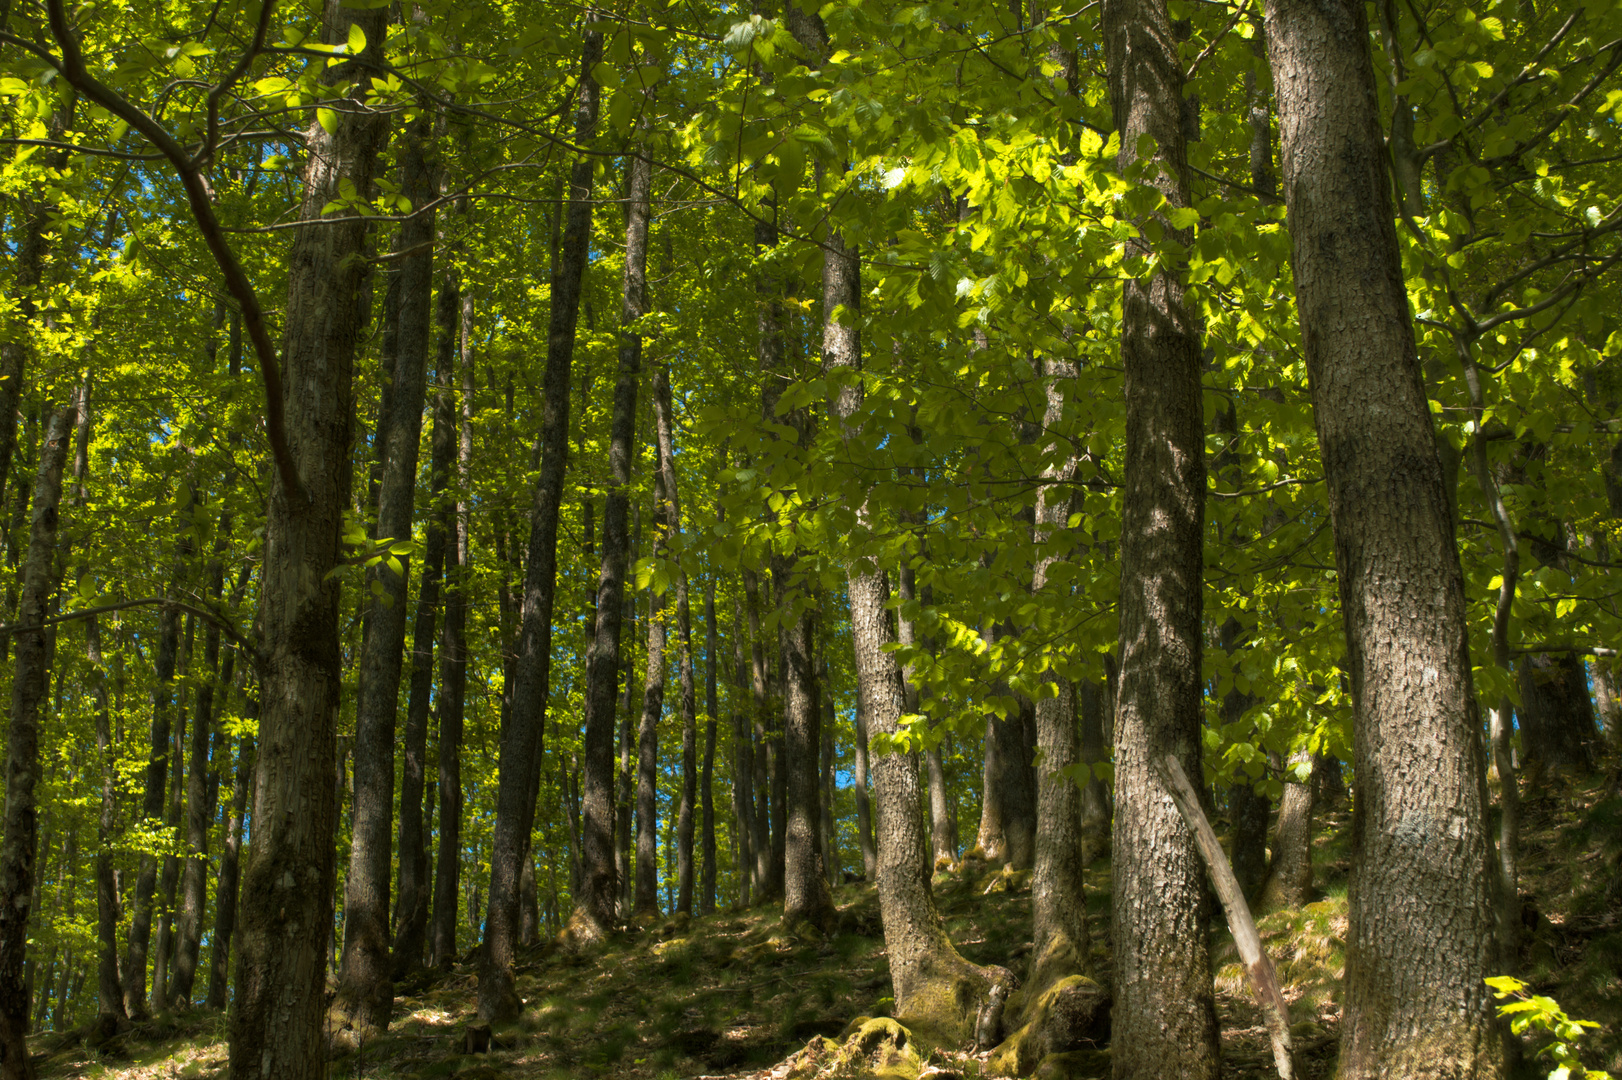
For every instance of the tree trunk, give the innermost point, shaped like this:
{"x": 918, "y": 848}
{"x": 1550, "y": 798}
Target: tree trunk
{"x": 411, "y": 893}
{"x": 1421, "y": 937}
{"x": 163, "y": 953}
{"x": 665, "y": 425}
{"x": 277, "y": 1025}
{"x": 1289, "y": 876}
{"x": 1092, "y": 700}
{"x": 864, "y": 809}
{"x": 521, "y": 738}
{"x": 456, "y": 527}
{"x": 1558, "y": 731}
{"x": 743, "y": 765}
{"x": 645, "y": 902}
{"x": 194, "y": 876}
{"x": 225, "y": 897}
{"x": 30, "y": 682}
{"x": 1061, "y": 945}
{"x": 760, "y": 832}
{"x": 706, "y": 776}
{"x": 1007, "y": 834}
{"x": 365, "y": 994}
{"x": 1165, "y": 1019}
{"x": 154, "y": 799}
{"x": 596, "y": 906}
{"x": 828, "y": 836}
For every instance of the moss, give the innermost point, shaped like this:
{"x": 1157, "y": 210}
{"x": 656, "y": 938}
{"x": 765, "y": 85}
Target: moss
{"x": 1070, "y": 1015}
{"x": 1074, "y": 1065}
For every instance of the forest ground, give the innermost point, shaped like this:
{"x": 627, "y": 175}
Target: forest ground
{"x": 729, "y": 996}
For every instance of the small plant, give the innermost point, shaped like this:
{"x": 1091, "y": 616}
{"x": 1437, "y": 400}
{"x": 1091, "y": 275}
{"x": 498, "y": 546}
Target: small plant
{"x": 1534, "y": 1012}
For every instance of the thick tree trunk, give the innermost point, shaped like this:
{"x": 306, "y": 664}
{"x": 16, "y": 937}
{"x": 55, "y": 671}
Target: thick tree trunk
{"x": 1558, "y": 731}
{"x": 30, "y": 681}
{"x": 411, "y": 893}
{"x": 1165, "y": 1019}
{"x": 1289, "y": 876}
{"x": 365, "y": 995}
{"x": 277, "y": 1026}
{"x": 1421, "y": 935}
{"x": 521, "y": 738}
{"x": 706, "y": 775}
{"x": 596, "y": 906}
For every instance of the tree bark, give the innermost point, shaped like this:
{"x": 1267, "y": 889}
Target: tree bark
{"x": 864, "y": 809}
{"x": 665, "y": 428}
{"x": 1289, "y": 875}
{"x": 1165, "y": 1019}
{"x": 596, "y": 907}
{"x": 521, "y": 738}
{"x": 1421, "y": 936}
{"x": 412, "y": 891}
{"x": 225, "y": 897}
{"x": 456, "y": 525}
{"x": 1061, "y": 944}
{"x": 30, "y": 683}
{"x": 760, "y": 824}
{"x": 743, "y": 764}
{"x": 365, "y": 995}
{"x": 277, "y": 1025}
{"x": 1558, "y": 730}
{"x": 706, "y": 775}
{"x": 645, "y": 902}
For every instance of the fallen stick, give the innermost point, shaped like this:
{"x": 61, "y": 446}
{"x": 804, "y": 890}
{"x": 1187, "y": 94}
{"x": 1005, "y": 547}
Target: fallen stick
{"x": 1263, "y": 978}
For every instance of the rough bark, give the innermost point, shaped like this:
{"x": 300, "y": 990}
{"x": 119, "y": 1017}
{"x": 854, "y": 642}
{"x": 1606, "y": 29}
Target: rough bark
{"x": 760, "y": 780}
{"x": 30, "y": 681}
{"x": 365, "y": 994}
{"x": 1164, "y": 1019}
{"x": 1421, "y": 935}
{"x": 596, "y": 906}
{"x": 864, "y": 809}
{"x": 1091, "y": 700}
{"x": 225, "y": 897}
{"x": 277, "y": 1026}
{"x": 645, "y": 900}
{"x": 521, "y": 737}
{"x": 412, "y": 890}
{"x": 1289, "y": 875}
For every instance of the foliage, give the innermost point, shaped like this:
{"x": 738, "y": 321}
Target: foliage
{"x": 1543, "y": 1018}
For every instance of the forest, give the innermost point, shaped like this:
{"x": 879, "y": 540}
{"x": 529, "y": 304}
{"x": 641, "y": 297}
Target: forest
{"x": 897, "y": 538}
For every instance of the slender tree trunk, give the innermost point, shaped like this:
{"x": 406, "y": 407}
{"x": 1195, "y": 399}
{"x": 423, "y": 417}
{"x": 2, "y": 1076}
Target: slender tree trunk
{"x": 596, "y": 906}
{"x": 626, "y": 790}
{"x": 520, "y": 739}
{"x": 864, "y": 810}
{"x": 1165, "y": 1015}
{"x": 665, "y": 427}
{"x": 760, "y": 826}
{"x": 30, "y": 682}
{"x": 706, "y": 776}
{"x": 828, "y": 834}
{"x": 1091, "y": 700}
{"x": 456, "y": 526}
{"x": 225, "y": 897}
{"x": 1060, "y": 941}
{"x": 194, "y": 883}
{"x": 411, "y": 893}
{"x": 645, "y": 902}
{"x": 163, "y": 953}
{"x": 1421, "y": 935}
{"x": 277, "y": 1024}
{"x": 743, "y": 765}
{"x": 365, "y": 995}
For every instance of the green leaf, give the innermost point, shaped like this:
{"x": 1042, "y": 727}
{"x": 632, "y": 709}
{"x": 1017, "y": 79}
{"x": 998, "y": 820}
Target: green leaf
{"x": 328, "y": 120}
{"x": 357, "y": 39}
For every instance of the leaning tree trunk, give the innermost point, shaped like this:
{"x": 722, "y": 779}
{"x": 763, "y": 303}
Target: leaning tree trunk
{"x": 365, "y": 994}
{"x": 277, "y": 1025}
{"x": 1060, "y": 941}
{"x": 596, "y": 907}
{"x": 411, "y": 893}
{"x": 937, "y": 991}
{"x": 1165, "y": 1010}
{"x": 532, "y": 671}
{"x": 1421, "y": 936}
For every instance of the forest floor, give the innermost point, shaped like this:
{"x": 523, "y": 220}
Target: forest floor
{"x": 729, "y": 996}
